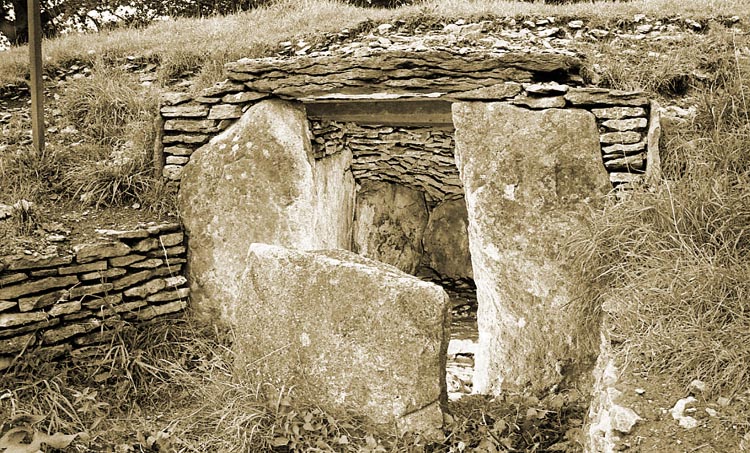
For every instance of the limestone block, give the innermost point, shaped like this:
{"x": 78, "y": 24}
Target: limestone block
{"x": 225, "y": 111}
{"x": 529, "y": 177}
{"x": 348, "y": 333}
{"x": 625, "y": 138}
{"x": 153, "y": 311}
{"x": 205, "y": 126}
{"x": 626, "y": 124}
{"x": 19, "y": 319}
{"x": 446, "y": 240}
{"x": 252, "y": 183}
{"x": 533, "y": 102}
{"x": 41, "y": 301}
{"x": 188, "y": 139}
{"x": 80, "y": 291}
{"x": 389, "y": 223}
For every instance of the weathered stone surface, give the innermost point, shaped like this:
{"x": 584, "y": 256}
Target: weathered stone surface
{"x": 145, "y": 245}
{"x": 44, "y": 300}
{"x": 7, "y": 305}
{"x": 12, "y": 292}
{"x": 147, "y": 264}
{"x": 89, "y": 290}
{"x": 603, "y": 96}
{"x": 220, "y": 88}
{"x": 19, "y": 319}
{"x": 21, "y": 262}
{"x": 529, "y": 176}
{"x": 13, "y": 278}
{"x": 176, "y": 160}
{"x": 171, "y": 251}
{"x": 446, "y": 240}
{"x": 626, "y": 124}
{"x": 178, "y": 150}
{"x": 153, "y": 311}
{"x": 375, "y": 71}
{"x": 225, "y": 111}
{"x": 252, "y": 183}
{"x": 205, "y": 126}
{"x": 243, "y": 97}
{"x": 617, "y": 113}
{"x": 147, "y": 288}
{"x": 625, "y": 138}
{"x": 174, "y": 98}
{"x": 125, "y": 260}
{"x": 624, "y": 150}
{"x": 627, "y": 163}
{"x": 497, "y": 92}
{"x": 109, "y": 273}
{"x": 64, "y": 308}
{"x": 185, "y": 111}
{"x": 546, "y": 89}
{"x": 123, "y": 234}
{"x": 90, "y": 267}
{"x": 389, "y": 223}
{"x": 87, "y": 253}
{"x": 169, "y": 240}
{"x": 190, "y": 139}
{"x": 625, "y": 178}
{"x": 130, "y": 280}
{"x": 15, "y": 344}
{"x": 533, "y": 102}
{"x": 335, "y": 196}
{"x": 164, "y": 296}
{"x": 349, "y": 333}
{"x": 71, "y": 330}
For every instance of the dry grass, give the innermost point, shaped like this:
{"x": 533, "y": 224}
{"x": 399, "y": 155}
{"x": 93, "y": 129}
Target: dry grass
{"x": 191, "y": 44}
{"x": 671, "y": 264}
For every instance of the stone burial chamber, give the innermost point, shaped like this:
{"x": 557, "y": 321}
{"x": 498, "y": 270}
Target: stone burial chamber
{"x": 313, "y": 189}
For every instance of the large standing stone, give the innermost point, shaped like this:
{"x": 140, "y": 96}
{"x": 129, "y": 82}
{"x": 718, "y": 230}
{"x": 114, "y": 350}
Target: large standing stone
{"x": 252, "y": 183}
{"x": 389, "y": 223}
{"x": 528, "y": 177}
{"x": 446, "y": 240}
{"x": 346, "y": 333}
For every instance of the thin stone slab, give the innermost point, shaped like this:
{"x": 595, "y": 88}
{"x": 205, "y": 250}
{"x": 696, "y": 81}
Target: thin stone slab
{"x": 529, "y": 176}
{"x": 346, "y": 334}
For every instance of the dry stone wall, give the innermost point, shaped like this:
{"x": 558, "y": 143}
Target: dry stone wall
{"x": 66, "y": 303}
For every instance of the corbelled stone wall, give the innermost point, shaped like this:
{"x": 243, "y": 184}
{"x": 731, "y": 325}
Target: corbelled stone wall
{"x": 64, "y": 303}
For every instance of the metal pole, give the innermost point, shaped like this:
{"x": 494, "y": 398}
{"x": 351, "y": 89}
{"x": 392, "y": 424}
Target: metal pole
{"x": 37, "y": 85}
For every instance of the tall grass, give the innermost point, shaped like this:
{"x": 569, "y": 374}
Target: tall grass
{"x": 672, "y": 264}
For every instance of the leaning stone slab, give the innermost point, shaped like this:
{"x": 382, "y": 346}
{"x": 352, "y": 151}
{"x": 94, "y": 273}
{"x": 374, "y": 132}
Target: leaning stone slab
{"x": 529, "y": 178}
{"x": 348, "y": 334}
{"x": 252, "y": 183}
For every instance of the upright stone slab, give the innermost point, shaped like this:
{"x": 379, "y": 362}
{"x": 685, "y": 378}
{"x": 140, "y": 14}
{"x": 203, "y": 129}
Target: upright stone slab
{"x": 345, "y": 333}
{"x": 389, "y": 223}
{"x": 252, "y": 183}
{"x": 528, "y": 177}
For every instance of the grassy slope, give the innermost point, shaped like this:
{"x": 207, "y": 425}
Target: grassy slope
{"x": 208, "y": 43}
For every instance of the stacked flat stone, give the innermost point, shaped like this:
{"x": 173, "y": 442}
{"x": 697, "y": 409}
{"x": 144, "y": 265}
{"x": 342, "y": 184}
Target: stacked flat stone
{"x": 190, "y": 121}
{"x": 418, "y": 157}
{"x": 64, "y": 303}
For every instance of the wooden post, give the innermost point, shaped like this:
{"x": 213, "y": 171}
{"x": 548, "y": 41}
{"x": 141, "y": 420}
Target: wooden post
{"x": 37, "y": 85}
